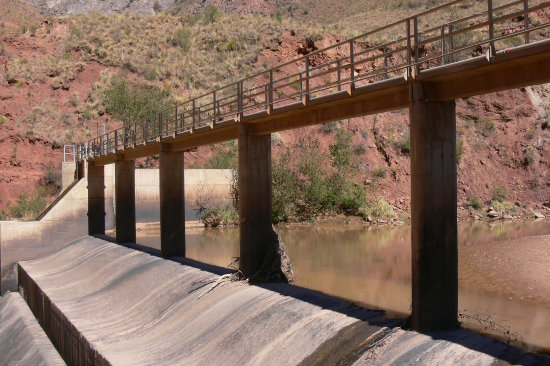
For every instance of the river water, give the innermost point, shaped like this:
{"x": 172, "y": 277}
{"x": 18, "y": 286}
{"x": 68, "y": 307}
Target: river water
{"x": 371, "y": 266}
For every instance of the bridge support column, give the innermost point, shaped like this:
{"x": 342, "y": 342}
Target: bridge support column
{"x": 79, "y": 173}
{"x": 172, "y": 203}
{"x": 254, "y": 198}
{"x": 96, "y": 199}
{"x": 125, "y": 201}
{"x": 433, "y": 211}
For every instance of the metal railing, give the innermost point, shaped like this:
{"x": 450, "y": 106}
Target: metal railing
{"x": 424, "y": 41}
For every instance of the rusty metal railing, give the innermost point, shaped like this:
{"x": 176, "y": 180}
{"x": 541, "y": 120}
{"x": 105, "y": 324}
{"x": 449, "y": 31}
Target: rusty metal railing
{"x": 427, "y": 40}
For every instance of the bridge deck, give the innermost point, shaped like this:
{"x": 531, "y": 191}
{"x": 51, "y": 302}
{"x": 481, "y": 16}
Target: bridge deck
{"x": 453, "y": 58}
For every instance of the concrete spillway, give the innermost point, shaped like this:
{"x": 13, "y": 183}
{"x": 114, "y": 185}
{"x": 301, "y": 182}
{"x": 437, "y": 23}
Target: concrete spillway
{"x": 101, "y": 303}
{"x": 22, "y": 341}
{"x": 106, "y": 304}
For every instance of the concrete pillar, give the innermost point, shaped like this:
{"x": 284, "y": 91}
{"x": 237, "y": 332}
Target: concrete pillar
{"x": 172, "y": 203}
{"x": 79, "y": 173}
{"x": 125, "y": 201}
{"x": 96, "y": 199}
{"x": 433, "y": 211}
{"x": 254, "y": 198}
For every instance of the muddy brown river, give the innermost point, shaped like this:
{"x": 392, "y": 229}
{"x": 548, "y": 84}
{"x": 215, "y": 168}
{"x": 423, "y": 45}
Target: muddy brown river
{"x": 371, "y": 266}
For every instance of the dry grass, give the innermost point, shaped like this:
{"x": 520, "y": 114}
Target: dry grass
{"x": 182, "y": 53}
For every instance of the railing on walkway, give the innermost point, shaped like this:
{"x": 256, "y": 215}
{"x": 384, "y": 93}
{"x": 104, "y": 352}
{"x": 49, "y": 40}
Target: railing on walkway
{"x": 427, "y": 40}
{"x": 69, "y": 151}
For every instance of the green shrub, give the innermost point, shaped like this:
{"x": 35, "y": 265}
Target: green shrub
{"x": 404, "y": 146}
{"x": 226, "y": 156}
{"x": 528, "y": 157}
{"x": 379, "y": 172}
{"x": 499, "y": 194}
{"x": 28, "y": 208}
{"x": 548, "y": 182}
{"x": 215, "y": 216}
{"x": 342, "y": 149}
{"x": 52, "y": 178}
{"x": 503, "y": 207}
{"x": 156, "y": 7}
{"x": 182, "y": 39}
{"x": 473, "y": 202}
{"x": 488, "y": 126}
{"x": 2, "y": 48}
{"x": 131, "y": 101}
{"x": 232, "y": 46}
{"x": 211, "y": 13}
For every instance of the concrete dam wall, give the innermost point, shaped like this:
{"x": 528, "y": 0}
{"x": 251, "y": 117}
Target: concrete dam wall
{"x": 67, "y": 219}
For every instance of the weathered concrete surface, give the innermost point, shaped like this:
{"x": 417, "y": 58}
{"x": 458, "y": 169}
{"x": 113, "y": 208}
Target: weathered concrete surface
{"x": 459, "y": 347}
{"x": 104, "y": 303}
{"x": 22, "y": 341}
{"x": 67, "y": 220}
{"x": 68, "y": 169}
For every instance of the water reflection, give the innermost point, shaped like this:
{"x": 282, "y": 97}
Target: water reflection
{"x": 372, "y": 266}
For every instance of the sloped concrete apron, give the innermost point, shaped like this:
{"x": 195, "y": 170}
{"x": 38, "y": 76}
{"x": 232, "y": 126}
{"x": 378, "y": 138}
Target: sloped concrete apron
{"x": 102, "y": 303}
{"x": 22, "y": 341}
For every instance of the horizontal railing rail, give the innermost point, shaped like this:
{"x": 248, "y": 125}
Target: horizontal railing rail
{"x": 429, "y": 39}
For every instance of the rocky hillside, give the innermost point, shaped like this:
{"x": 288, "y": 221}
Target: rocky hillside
{"x": 55, "y": 75}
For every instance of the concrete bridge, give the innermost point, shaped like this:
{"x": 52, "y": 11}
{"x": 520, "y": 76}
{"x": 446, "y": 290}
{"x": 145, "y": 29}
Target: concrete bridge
{"x": 422, "y": 63}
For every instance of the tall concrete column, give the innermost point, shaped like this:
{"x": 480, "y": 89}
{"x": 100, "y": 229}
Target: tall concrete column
{"x": 254, "y": 198}
{"x": 79, "y": 173}
{"x": 96, "y": 199}
{"x": 433, "y": 211}
{"x": 125, "y": 201}
{"x": 172, "y": 203}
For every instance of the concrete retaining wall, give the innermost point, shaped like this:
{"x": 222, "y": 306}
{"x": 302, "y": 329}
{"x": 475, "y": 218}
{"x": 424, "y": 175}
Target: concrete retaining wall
{"x": 22, "y": 341}
{"x": 68, "y": 220}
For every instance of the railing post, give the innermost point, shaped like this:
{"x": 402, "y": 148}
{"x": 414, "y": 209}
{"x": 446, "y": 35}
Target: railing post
{"x": 409, "y": 49}
{"x": 352, "y": 62}
{"x": 301, "y": 87}
{"x": 240, "y": 102}
{"x": 270, "y": 94}
{"x": 339, "y": 75}
{"x": 526, "y": 21}
{"x": 385, "y": 62}
{"x": 443, "y": 50}
{"x": 492, "y": 50}
{"x": 451, "y": 57}
{"x": 416, "y": 49}
{"x": 160, "y": 125}
{"x": 307, "y": 96}
{"x": 194, "y": 116}
{"x": 176, "y": 121}
{"x": 214, "y": 107}
{"x": 145, "y": 131}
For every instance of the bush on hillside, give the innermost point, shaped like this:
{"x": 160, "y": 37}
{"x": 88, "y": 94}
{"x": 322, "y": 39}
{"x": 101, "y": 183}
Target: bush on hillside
{"x": 131, "y": 101}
